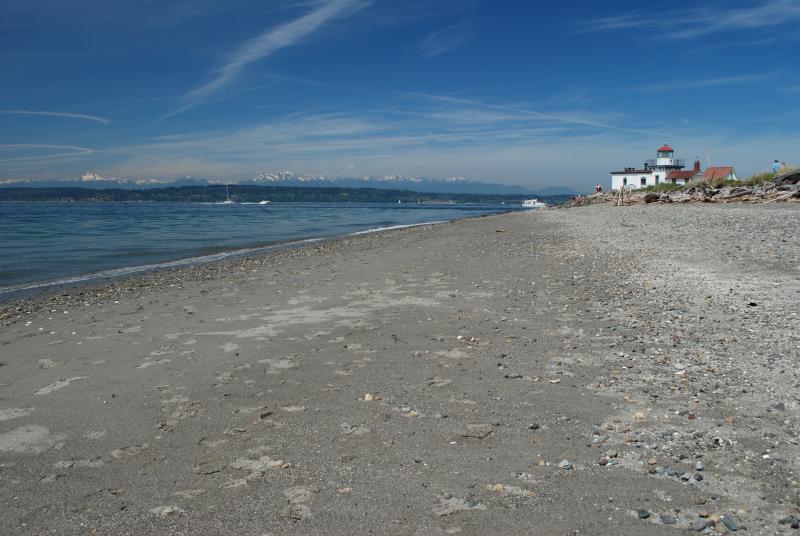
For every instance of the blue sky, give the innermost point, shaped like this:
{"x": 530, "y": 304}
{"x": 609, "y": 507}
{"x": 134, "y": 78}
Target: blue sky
{"x": 524, "y": 92}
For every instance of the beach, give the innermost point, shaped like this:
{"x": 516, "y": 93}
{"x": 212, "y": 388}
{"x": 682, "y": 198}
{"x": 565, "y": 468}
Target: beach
{"x": 594, "y": 370}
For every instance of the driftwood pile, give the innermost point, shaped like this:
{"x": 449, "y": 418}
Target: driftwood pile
{"x": 783, "y": 187}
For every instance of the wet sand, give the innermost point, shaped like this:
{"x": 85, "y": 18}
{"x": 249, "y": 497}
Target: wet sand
{"x": 596, "y": 371}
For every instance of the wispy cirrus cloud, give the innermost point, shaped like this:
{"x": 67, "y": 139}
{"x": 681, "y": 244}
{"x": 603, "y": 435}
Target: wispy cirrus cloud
{"x": 704, "y": 20}
{"x": 699, "y": 83}
{"x": 64, "y": 151}
{"x": 102, "y": 120}
{"x": 265, "y": 45}
{"x": 571, "y": 118}
{"x": 402, "y": 138}
{"x": 536, "y": 153}
{"x": 444, "y": 39}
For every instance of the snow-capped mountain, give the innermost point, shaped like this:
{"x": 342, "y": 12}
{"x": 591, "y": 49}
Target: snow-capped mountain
{"x": 458, "y": 185}
{"x": 98, "y": 182}
{"x": 455, "y": 185}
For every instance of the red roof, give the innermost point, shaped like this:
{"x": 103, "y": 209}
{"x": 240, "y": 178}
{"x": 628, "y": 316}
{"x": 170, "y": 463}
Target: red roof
{"x": 665, "y": 148}
{"x": 722, "y": 172}
{"x": 681, "y": 174}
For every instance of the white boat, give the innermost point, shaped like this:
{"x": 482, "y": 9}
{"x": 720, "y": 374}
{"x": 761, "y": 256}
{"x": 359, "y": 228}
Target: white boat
{"x": 228, "y": 200}
{"x": 533, "y": 203}
{"x": 264, "y": 202}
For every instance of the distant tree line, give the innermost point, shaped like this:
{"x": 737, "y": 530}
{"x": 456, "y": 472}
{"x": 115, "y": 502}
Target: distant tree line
{"x": 251, "y": 194}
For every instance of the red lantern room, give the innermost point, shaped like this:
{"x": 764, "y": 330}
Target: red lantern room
{"x": 665, "y": 151}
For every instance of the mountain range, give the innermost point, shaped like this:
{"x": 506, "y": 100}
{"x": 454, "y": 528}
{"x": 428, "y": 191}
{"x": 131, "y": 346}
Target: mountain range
{"x": 456, "y": 185}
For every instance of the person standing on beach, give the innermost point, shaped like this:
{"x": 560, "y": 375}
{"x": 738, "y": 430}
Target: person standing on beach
{"x": 776, "y": 166}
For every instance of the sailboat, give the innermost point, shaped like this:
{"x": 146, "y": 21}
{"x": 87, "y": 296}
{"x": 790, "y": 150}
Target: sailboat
{"x": 228, "y": 200}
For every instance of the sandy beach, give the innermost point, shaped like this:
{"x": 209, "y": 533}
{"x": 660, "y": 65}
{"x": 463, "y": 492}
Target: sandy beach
{"x": 596, "y": 370}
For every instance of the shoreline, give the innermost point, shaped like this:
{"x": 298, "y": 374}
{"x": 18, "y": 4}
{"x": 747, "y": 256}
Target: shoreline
{"x": 15, "y": 295}
{"x": 171, "y": 275}
{"x": 599, "y": 370}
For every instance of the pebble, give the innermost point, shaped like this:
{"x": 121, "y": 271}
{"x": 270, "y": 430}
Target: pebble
{"x": 729, "y": 523}
{"x": 565, "y": 464}
{"x": 698, "y": 525}
{"x": 643, "y": 514}
{"x": 669, "y": 519}
{"x": 699, "y": 466}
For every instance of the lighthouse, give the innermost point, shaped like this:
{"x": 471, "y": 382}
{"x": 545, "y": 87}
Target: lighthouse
{"x": 664, "y": 163}
{"x": 663, "y": 168}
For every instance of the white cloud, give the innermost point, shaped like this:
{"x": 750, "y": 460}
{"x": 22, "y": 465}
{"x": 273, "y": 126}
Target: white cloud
{"x": 699, "y": 83}
{"x": 533, "y": 152}
{"x": 529, "y": 158}
{"x": 263, "y": 46}
{"x": 571, "y": 118}
{"x": 706, "y": 20}
{"x": 65, "y": 151}
{"x": 444, "y": 40}
{"x": 435, "y": 136}
{"x": 57, "y": 114}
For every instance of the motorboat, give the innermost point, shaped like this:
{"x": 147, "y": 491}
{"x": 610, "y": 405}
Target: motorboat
{"x": 533, "y": 203}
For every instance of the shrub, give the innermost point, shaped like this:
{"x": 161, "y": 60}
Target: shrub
{"x": 760, "y": 178}
{"x": 720, "y": 183}
{"x": 663, "y": 187}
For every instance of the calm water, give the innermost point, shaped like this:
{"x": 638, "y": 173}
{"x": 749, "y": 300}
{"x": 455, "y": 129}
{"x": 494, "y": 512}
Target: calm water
{"x": 42, "y": 244}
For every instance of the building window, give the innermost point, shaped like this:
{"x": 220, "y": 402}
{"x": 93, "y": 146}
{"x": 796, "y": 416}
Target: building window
{"x": 643, "y": 181}
{"x": 674, "y": 181}
{"x": 625, "y": 181}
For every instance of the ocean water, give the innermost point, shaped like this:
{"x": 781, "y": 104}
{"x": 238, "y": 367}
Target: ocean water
{"x": 48, "y": 244}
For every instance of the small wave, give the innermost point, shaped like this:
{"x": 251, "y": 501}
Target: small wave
{"x": 129, "y": 270}
{"x": 391, "y": 227}
{"x": 22, "y": 288}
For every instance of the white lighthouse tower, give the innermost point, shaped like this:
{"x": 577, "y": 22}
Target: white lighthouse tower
{"x": 663, "y": 163}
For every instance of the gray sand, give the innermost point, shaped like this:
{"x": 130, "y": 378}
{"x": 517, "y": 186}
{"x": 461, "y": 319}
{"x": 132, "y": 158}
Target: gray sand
{"x": 587, "y": 371}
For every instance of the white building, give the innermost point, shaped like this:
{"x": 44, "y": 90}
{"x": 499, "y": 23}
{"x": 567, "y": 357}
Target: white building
{"x": 663, "y": 168}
